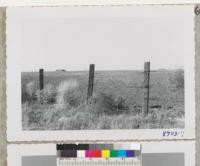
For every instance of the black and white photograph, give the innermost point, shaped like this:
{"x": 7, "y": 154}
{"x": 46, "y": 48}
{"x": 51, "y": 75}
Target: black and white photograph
{"x": 61, "y": 90}
{"x": 101, "y": 68}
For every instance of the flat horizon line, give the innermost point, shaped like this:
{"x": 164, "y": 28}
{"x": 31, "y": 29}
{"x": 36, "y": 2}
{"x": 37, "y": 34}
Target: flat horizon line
{"x": 63, "y": 70}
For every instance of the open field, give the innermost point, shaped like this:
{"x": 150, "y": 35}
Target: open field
{"x": 116, "y": 103}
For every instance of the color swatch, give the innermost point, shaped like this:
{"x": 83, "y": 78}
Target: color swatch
{"x": 97, "y": 151}
{"x": 127, "y": 146}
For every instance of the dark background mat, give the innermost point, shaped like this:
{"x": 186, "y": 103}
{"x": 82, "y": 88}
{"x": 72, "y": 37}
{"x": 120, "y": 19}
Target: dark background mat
{"x": 148, "y": 159}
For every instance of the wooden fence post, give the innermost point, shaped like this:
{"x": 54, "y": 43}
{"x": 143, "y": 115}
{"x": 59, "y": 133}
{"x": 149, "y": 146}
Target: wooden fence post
{"x": 146, "y": 88}
{"x": 41, "y": 79}
{"x": 91, "y": 81}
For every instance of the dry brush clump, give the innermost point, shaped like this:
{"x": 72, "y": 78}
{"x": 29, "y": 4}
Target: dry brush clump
{"x": 45, "y": 107}
{"x": 47, "y": 95}
{"x": 66, "y": 107}
{"x": 29, "y": 92}
{"x": 78, "y": 115}
{"x": 109, "y": 104}
{"x": 69, "y": 94}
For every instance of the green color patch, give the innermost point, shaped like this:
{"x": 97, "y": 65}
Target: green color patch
{"x": 113, "y": 153}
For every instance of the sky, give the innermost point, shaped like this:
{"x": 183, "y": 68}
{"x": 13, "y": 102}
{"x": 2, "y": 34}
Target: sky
{"x": 111, "y": 43}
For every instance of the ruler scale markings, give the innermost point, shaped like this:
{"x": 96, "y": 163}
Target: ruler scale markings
{"x": 98, "y": 161}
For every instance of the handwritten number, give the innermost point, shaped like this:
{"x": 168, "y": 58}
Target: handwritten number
{"x": 167, "y": 133}
{"x": 197, "y": 10}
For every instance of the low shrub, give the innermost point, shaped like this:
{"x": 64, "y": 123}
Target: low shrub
{"x": 105, "y": 103}
{"x": 68, "y": 93}
{"x": 121, "y": 103}
{"x": 29, "y": 92}
{"x": 47, "y": 95}
{"x": 109, "y": 104}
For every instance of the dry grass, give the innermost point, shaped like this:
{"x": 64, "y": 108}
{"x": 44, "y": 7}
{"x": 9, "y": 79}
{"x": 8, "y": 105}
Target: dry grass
{"x": 116, "y": 102}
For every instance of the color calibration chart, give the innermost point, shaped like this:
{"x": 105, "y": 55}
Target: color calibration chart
{"x": 99, "y": 155}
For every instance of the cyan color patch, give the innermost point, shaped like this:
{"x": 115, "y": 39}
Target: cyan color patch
{"x": 121, "y": 153}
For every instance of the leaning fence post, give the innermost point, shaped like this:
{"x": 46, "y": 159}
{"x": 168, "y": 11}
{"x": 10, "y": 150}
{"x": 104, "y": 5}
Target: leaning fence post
{"x": 91, "y": 81}
{"x": 146, "y": 88}
{"x": 41, "y": 79}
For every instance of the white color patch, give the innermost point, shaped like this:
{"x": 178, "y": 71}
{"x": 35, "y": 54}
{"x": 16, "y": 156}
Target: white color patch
{"x": 80, "y": 153}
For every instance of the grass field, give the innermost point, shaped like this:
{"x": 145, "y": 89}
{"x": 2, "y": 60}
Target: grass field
{"x": 116, "y": 103}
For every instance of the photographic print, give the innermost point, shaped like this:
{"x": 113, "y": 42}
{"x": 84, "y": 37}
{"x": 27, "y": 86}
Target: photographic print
{"x": 102, "y": 69}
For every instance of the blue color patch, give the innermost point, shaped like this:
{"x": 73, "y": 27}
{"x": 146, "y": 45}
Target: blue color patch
{"x": 130, "y": 153}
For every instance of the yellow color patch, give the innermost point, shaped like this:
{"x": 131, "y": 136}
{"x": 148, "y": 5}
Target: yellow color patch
{"x": 105, "y": 153}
